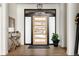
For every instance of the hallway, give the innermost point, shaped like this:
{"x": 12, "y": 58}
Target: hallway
{"x": 24, "y": 51}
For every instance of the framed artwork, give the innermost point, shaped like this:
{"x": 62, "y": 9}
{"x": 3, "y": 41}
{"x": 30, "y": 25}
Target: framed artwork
{"x": 11, "y": 24}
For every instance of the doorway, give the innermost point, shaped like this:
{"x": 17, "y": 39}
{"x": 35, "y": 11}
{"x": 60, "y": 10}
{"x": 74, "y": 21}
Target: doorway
{"x": 39, "y": 24}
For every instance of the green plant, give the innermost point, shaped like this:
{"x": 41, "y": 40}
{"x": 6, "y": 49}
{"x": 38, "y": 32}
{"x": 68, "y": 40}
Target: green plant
{"x": 55, "y": 37}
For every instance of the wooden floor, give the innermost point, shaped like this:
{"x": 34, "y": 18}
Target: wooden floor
{"x": 25, "y": 51}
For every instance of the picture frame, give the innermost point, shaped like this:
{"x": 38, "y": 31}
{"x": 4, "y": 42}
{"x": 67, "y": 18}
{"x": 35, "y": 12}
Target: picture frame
{"x": 11, "y": 22}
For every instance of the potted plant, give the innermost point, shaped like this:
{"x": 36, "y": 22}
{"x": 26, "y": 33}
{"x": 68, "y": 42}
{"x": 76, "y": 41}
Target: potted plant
{"x": 55, "y": 39}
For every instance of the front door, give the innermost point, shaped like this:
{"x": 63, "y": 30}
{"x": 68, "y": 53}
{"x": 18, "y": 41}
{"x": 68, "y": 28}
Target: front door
{"x": 39, "y": 30}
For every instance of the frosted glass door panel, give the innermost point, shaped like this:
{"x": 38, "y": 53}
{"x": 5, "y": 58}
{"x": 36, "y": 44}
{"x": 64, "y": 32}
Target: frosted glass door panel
{"x": 28, "y": 30}
{"x": 51, "y": 28}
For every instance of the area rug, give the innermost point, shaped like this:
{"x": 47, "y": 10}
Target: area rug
{"x": 38, "y": 47}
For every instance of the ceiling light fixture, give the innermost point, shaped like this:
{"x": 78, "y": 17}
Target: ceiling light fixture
{"x": 39, "y": 6}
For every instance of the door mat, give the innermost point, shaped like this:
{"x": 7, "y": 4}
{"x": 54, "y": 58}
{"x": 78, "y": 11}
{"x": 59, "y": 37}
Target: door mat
{"x": 38, "y": 47}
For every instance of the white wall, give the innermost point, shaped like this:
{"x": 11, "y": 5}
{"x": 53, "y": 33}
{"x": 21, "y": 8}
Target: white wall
{"x": 0, "y": 28}
{"x": 4, "y": 29}
{"x": 63, "y": 25}
{"x": 71, "y": 27}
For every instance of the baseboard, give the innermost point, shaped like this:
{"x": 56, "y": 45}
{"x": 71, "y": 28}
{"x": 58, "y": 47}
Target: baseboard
{"x": 21, "y": 43}
{"x": 4, "y": 53}
{"x": 63, "y": 47}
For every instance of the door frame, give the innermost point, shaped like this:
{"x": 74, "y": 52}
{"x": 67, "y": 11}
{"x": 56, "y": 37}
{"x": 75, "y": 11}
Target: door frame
{"x": 44, "y": 10}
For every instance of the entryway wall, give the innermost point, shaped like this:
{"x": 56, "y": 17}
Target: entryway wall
{"x": 17, "y": 11}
